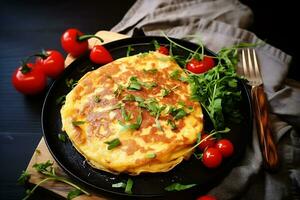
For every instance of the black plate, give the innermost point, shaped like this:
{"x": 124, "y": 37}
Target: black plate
{"x": 145, "y": 185}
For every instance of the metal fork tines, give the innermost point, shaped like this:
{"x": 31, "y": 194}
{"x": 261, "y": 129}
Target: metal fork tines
{"x": 260, "y": 106}
{"x": 250, "y": 67}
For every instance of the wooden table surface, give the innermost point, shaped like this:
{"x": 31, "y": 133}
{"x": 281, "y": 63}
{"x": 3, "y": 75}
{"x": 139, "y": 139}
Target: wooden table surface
{"x": 28, "y": 26}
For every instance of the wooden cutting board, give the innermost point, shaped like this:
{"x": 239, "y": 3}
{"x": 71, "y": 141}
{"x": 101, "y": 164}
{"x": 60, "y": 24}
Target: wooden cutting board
{"x": 42, "y": 153}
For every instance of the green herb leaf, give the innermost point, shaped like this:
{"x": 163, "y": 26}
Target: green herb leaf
{"x": 129, "y": 184}
{"x": 129, "y": 50}
{"x": 134, "y": 84}
{"x": 62, "y": 137}
{"x": 134, "y": 126}
{"x": 149, "y": 85}
{"x": 125, "y": 116}
{"x": 43, "y": 167}
{"x": 113, "y": 143}
{"x": 74, "y": 193}
{"x": 71, "y": 83}
{"x": 151, "y": 155}
{"x": 119, "y": 90}
{"x": 178, "y": 187}
{"x": 155, "y": 44}
{"x": 60, "y": 100}
{"x": 172, "y": 124}
{"x": 77, "y": 123}
{"x": 97, "y": 99}
{"x": 150, "y": 71}
{"x": 198, "y": 156}
{"x": 164, "y": 92}
{"x": 23, "y": 178}
{"x": 119, "y": 185}
{"x": 175, "y": 74}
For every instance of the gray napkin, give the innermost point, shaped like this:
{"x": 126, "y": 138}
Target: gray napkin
{"x": 222, "y": 23}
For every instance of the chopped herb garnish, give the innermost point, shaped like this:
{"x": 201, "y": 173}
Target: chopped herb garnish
{"x": 178, "y": 187}
{"x": 119, "y": 90}
{"x": 23, "y": 178}
{"x": 77, "y": 123}
{"x": 129, "y": 184}
{"x": 155, "y": 44}
{"x": 60, "y": 100}
{"x": 37, "y": 151}
{"x": 172, "y": 124}
{"x": 125, "y": 116}
{"x": 165, "y": 92}
{"x": 113, "y": 143}
{"x": 119, "y": 185}
{"x": 129, "y": 97}
{"x": 177, "y": 113}
{"x": 181, "y": 103}
{"x": 149, "y": 85}
{"x": 97, "y": 99}
{"x": 115, "y": 107}
{"x": 71, "y": 83}
{"x": 175, "y": 74}
{"x": 150, "y": 71}
{"x": 198, "y": 156}
{"x": 134, "y": 84}
{"x": 62, "y": 137}
{"x": 134, "y": 126}
{"x": 129, "y": 50}
{"x": 151, "y": 155}
{"x": 74, "y": 193}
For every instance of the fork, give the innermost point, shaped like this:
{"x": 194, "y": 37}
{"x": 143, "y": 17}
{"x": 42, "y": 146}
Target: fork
{"x": 260, "y": 105}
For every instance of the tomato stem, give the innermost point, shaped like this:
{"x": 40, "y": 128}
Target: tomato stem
{"x": 86, "y": 37}
{"x": 43, "y": 54}
{"x": 24, "y": 67}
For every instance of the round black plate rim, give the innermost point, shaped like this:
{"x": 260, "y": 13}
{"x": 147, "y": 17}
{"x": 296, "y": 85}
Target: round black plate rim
{"x": 139, "y": 40}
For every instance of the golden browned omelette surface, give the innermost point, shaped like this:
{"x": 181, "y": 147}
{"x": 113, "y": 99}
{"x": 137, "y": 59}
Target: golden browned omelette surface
{"x": 133, "y": 115}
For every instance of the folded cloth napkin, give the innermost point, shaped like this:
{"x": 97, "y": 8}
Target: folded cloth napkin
{"x": 222, "y": 23}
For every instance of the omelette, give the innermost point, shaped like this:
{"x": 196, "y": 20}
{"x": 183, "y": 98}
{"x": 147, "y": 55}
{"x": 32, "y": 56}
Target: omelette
{"x": 133, "y": 115}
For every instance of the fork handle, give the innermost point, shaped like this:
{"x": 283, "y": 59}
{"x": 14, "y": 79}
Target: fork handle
{"x": 266, "y": 141}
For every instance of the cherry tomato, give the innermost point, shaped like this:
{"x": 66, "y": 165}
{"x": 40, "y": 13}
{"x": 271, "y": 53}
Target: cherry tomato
{"x": 29, "y": 79}
{"x": 51, "y": 62}
{"x": 206, "y": 197}
{"x": 163, "y": 50}
{"x": 70, "y": 42}
{"x": 209, "y": 142}
{"x": 225, "y": 147}
{"x": 200, "y": 66}
{"x": 100, "y": 55}
{"x": 212, "y": 157}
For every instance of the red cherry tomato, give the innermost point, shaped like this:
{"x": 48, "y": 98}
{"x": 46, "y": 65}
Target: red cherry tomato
{"x": 51, "y": 62}
{"x": 207, "y": 197}
{"x": 225, "y": 147}
{"x": 200, "y": 66}
{"x": 163, "y": 50}
{"x": 212, "y": 157}
{"x": 71, "y": 44}
{"x": 28, "y": 79}
{"x": 209, "y": 142}
{"x": 100, "y": 55}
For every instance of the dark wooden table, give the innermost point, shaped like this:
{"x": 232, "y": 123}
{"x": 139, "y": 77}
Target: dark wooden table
{"x": 28, "y": 26}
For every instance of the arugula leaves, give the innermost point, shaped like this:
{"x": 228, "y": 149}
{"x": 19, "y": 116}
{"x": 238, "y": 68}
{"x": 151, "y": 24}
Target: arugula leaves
{"x": 62, "y": 137}
{"x": 135, "y": 84}
{"x": 48, "y": 170}
{"x": 178, "y": 187}
{"x": 23, "y": 178}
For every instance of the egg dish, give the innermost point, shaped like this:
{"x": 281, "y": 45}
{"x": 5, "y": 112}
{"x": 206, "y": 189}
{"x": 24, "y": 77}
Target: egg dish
{"x": 133, "y": 115}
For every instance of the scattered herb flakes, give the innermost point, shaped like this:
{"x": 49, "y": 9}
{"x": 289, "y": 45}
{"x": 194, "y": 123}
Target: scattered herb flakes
{"x": 155, "y": 44}
{"x": 172, "y": 124}
{"x": 142, "y": 55}
{"x": 150, "y": 71}
{"x": 149, "y": 85}
{"x": 128, "y": 188}
{"x": 178, "y": 187}
{"x": 134, "y": 84}
{"x": 74, "y": 193}
{"x": 126, "y": 116}
{"x": 175, "y": 74}
{"x": 181, "y": 103}
{"x": 60, "y": 100}
{"x": 119, "y": 185}
{"x": 165, "y": 92}
{"x": 113, "y": 143}
{"x": 134, "y": 126}
{"x": 151, "y": 155}
{"x": 129, "y": 50}
{"x": 115, "y": 107}
{"x": 97, "y": 99}
{"x": 177, "y": 113}
{"x": 78, "y": 123}
{"x": 119, "y": 90}
{"x": 23, "y": 178}
{"x": 129, "y": 97}
{"x": 71, "y": 83}
{"x": 62, "y": 137}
